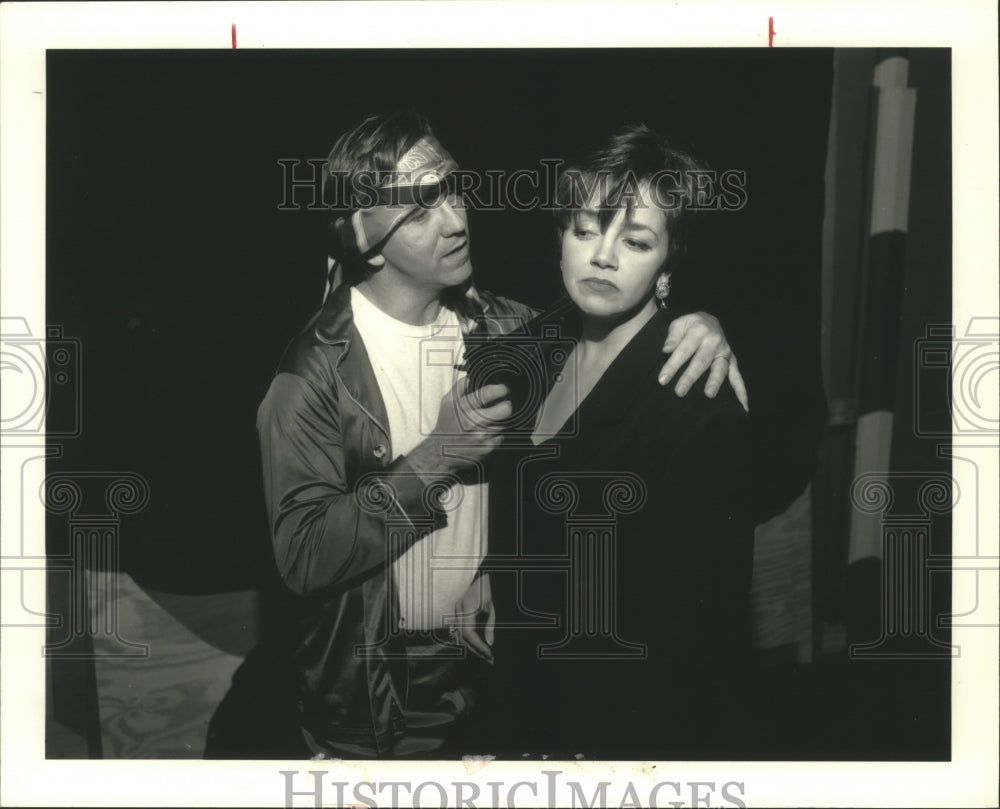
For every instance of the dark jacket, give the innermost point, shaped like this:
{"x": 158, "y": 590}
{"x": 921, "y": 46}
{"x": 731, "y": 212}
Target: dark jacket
{"x": 666, "y": 480}
{"x": 340, "y": 511}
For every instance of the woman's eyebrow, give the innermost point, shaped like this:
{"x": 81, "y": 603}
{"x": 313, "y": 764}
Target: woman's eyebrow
{"x": 633, "y": 226}
{"x": 583, "y": 215}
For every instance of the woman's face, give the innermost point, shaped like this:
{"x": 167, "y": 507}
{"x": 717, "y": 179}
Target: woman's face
{"x": 612, "y": 273}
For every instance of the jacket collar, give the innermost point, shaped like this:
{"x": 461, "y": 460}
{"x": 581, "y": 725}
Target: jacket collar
{"x": 637, "y": 363}
{"x": 335, "y": 321}
{"x": 633, "y": 370}
{"x": 334, "y": 327}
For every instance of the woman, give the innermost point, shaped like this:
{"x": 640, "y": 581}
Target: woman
{"x": 621, "y": 590}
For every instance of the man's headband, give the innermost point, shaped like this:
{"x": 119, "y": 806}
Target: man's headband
{"x": 417, "y": 180}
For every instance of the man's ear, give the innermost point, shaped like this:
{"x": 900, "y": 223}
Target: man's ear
{"x": 361, "y": 241}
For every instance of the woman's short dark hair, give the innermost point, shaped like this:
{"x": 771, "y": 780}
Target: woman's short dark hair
{"x": 373, "y": 147}
{"x": 611, "y": 175}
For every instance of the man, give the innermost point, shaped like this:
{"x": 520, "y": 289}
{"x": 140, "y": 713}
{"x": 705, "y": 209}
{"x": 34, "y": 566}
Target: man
{"x": 372, "y": 444}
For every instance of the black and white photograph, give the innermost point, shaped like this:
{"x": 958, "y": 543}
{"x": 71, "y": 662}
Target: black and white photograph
{"x": 493, "y": 413}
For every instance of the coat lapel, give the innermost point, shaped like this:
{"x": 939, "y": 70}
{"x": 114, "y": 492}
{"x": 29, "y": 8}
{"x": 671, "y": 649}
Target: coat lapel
{"x": 335, "y": 327}
{"x": 635, "y": 367}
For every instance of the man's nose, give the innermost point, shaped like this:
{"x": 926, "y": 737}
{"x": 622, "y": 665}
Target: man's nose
{"x": 452, "y": 219}
{"x": 606, "y": 255}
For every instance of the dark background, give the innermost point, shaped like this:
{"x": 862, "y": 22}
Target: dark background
{"x": 169, "y": 258}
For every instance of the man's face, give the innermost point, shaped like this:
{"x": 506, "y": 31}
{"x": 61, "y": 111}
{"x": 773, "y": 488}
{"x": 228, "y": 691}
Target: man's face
{"x": 431, "y": 248}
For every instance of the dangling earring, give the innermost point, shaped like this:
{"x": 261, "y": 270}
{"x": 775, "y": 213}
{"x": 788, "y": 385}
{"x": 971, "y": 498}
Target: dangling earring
{"x": 662, "y": 290}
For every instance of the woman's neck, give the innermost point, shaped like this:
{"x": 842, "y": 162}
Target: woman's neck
{"x": 603, "y": 338}
{"x": 601, "y": 341}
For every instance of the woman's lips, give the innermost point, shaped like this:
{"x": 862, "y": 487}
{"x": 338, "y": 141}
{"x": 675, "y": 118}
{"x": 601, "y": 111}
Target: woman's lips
{"x": 599, "y": 285}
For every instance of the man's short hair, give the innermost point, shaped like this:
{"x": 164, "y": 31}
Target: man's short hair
{"x": 371, "y": 149}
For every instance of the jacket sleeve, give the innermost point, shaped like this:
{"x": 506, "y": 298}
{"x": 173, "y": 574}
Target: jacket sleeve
{"x": 509, "y": 314}
{"x": 325, "y": 530}
{"x": 707, "y": 485}
{"x": 701, "y": 610}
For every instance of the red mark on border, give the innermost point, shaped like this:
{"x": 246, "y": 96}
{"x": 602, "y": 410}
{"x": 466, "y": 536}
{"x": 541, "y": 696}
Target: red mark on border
{"x": 770, "y": 33}
{"x": 234, "y": 36}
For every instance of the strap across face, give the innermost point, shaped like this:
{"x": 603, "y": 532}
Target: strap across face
{"x": 418, "y": 181}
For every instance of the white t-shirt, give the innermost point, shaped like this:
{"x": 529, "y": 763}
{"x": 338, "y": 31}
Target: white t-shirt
{"x": 415, "y": 368}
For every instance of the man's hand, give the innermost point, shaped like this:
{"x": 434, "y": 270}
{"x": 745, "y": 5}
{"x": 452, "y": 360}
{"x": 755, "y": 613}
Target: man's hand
{"x": 468, "y": 427}
{"x": 698, "y": 337}
{"x": 471, "y": 608}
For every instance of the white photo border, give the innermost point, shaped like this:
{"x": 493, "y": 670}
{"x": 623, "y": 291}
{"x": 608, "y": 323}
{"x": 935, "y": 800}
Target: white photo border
{"x": 28, "y": 29}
